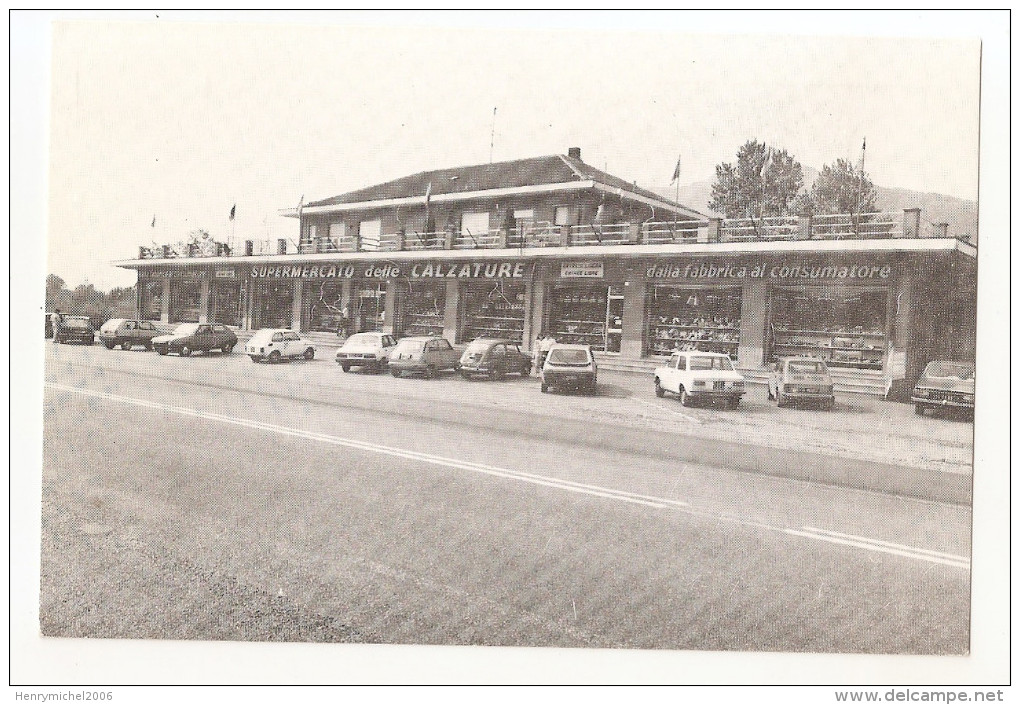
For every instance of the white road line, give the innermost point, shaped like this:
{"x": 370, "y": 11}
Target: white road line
{"x": 809, "y": 532}
{"x": 660, "y": 407}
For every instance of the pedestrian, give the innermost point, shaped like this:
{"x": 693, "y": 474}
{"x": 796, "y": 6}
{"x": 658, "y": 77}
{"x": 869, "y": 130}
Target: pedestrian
{"x": 55, "y": 320}
{"x": 543, "y": 344}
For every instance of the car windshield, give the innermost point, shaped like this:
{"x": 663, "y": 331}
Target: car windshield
{"x": 410, "y": 346}
{"x": 186, "y": 329}
{"x": 568, "y": 356}
{"x": 364, "y": 339}
{"x": 75, "y": 323}
{"x": 810, "y": 367}
{"x": 706, "y": 362}
{"x": 949, "y": 369}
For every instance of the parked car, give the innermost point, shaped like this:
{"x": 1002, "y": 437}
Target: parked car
{"x": 570, "y": 367}
{"x": 275, "y": 344}
{"x": 423, "y": 354}
{"x": 75, "y": 329}
{"x": 127, "y": 333}
{"x": 366, "y": 350}
{"x": 945, "y": 385}
{"x": 191, "y": 337}
{"x": 494, "y": 357}
{"x": 700, "y": 376}
{"x": 794, "y": 380}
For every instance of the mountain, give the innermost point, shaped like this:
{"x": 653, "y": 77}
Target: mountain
{"x": 960, "y": 213}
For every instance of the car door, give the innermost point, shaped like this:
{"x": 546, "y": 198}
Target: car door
{"x": 498, "y": 355}
{"x": 293, "y": 343}
{"x": 447, "y": 355}
{"x": 677, "y": 364}
{"x": 203, "y": 338}
{"x": 146, "y": 332}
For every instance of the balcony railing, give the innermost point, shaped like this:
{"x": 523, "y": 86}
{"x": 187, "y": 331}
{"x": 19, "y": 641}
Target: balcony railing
{"x": 862, "y": 226}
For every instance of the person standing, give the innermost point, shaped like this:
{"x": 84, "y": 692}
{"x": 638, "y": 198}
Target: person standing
{"x": 55, "y": 321}
{"x": 543, "y": 344}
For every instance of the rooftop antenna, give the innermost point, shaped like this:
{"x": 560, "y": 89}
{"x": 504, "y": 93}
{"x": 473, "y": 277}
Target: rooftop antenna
{"x": 492, "y": 136}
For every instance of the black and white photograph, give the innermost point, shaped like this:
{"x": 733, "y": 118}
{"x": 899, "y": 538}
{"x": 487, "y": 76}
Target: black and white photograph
{"x": 510, "y": 348}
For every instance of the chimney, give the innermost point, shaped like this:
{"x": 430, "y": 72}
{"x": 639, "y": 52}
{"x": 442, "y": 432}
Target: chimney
{"x": 574, "y": 153}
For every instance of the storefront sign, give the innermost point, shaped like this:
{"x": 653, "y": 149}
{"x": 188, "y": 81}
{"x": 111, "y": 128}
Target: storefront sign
{"x": 225, "y": 274}
{"x": 182, "y": 273}
{"x": 581, "y": 270}
{"x": 416, "y": 270}
{"x": 713, "y": 270}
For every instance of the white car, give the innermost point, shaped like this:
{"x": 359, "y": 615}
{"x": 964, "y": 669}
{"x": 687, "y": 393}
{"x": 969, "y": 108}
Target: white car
{"x": 695, "y": 375}
{"x": 275, "y": 344}
{"x": 370, "y": 350}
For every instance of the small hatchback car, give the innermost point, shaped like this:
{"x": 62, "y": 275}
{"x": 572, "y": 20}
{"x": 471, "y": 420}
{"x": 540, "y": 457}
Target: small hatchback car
{"x": 494, "y": 358}
{"x": 426, "y": 355}
{"x": 191, "y": 337}
{"x": 801, "y": 379}
{"x": 365, "y": 350}
{"x": 696, "y": 375}
{"x": 275, "y": 344}
{"x": 945, "y": 385}
{"x": 570, "y": 367}
{"x": 127, "y": 333}
{"x": 75, "y": 328}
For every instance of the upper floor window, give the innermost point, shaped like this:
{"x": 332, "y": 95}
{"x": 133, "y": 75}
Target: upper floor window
{"x": 370, "y": 232}
{"x": 337, "y": 232}
{"x": 308, "y": 237}
{"x": 562, "y": 215}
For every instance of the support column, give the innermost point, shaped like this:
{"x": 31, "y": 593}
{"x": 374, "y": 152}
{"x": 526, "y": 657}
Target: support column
{"x": 295, "y": 307}
{"x": 164, "y": 316}
{"x": 753, "y": 305}
{"x": 203, "y": 301}
{"x": 632, "y": 342}
{"x": 901, "y": 307}
{"x": 389, "y": 307}
{"x": 536, "y": 316}
{"x": 451, "y": 312}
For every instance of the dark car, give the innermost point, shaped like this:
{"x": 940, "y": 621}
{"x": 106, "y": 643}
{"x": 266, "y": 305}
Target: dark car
{"x": 75, "y": 329}
{"x": 570, "y": 367}
{"x": 191, "y": 337}
{"x": 945, "y": 385}
{"x": 127, "y": 333}
{"x": 495, "y": 358}
{"x": 425, "y": 355}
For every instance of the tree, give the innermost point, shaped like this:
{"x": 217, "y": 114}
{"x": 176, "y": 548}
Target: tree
{"x": 54, "y": 285}
{"x": 840, "y": 188}
{"x": 763, "y": 182}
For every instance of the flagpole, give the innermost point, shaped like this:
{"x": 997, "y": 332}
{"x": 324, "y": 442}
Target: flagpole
{"x": 860, "y": 186}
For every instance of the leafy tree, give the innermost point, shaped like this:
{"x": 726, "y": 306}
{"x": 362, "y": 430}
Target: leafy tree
{"x": 840, "y": 188}
{"x": 54, "y": 286}
{"x": 764, "y": 182}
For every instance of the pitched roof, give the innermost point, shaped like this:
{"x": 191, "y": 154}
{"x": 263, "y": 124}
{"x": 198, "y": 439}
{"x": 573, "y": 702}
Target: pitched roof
{"x": 536, "y": 171}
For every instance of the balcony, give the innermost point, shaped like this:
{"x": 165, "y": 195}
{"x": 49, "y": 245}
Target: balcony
{"x": 862, "y": 226}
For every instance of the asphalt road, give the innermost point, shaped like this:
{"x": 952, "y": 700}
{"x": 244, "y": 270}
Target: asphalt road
{"x": 211, "y": 498}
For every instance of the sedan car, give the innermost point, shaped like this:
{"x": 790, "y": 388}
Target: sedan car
{"x": 945, "y": 385}
{"x": 801, "y": 379}
{"x": 495, "y": 358}
{"x": 366, "y": 350}
{"x": 702, "y": 376}
{"x": 127, "y": 333}
{"x": 190, "y": 337}
{"x": 426, "y": 355}
{"x": 275, "y": 344}
{"x": 75, "y": 329}
{"x": 570, "y": 367}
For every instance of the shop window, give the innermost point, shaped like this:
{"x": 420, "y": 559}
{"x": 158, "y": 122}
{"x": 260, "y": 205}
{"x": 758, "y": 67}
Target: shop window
{"x": 274, "y": 305}
{"x": 424, "y": 308}
{"x": 369, "y": 308}
{"x": 694, "y": 318}
{"x": 326, "y": 311}
{"x": 588, "y": 315}
{"x": 152, "y": 300}
{"x": 370, "y": 233}
{"x": 225, "y": 304}
{"x": 845, "y": 327}
{"x": 494, "y": 310}
{"x": 185, "y": 301}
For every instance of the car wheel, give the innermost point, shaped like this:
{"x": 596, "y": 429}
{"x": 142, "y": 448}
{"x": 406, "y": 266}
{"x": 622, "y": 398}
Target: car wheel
{"x": 829, "y": 404}
{"x": 256, "y": 358}
{"x": 309, "y": 354}
{"x": 734, "y": 402}
{"x": 109, "y": 345}
{"x": 659, "y": 391}
{"x": 274, "y": 356}
{"x": 345, "y": 367}
{"x": 685, "y": 399}
{"x": 395, "y": 373}
{"x": 148, "y": 345}
{"x": 545, "y": 387}
{"x": 126, "y": 345}
{"x": 162, "y": 351}
{"x": 227, "y": 348}
{"x": 90, "y": 341}
{"x": 429, "y": 372}
{"x": 465, "y": 374}
{"x": 919, "y": 409}
{"x": 185, "y": 351}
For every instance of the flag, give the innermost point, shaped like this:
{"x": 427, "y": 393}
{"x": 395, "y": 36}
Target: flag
{"x": 676, "y": 172}
{"x": 233, "y": 211}
{"x": 766, "y": 164}
{"x": 300, "y": 206}
{"x": 153, "y": 222}
{"x": 864, "y": 144}
{"x": 428, "y": 194}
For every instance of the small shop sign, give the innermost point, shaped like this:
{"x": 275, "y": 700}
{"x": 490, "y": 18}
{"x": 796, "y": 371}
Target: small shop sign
{"x": 225, "y": 274}
{"x": 581, "y": 270}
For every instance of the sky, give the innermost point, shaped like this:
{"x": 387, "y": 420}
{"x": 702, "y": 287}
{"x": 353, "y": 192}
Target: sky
{"x": 178, "y": 118}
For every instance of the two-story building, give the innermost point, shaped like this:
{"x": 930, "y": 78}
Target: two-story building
{"x": 552, "y": 243}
